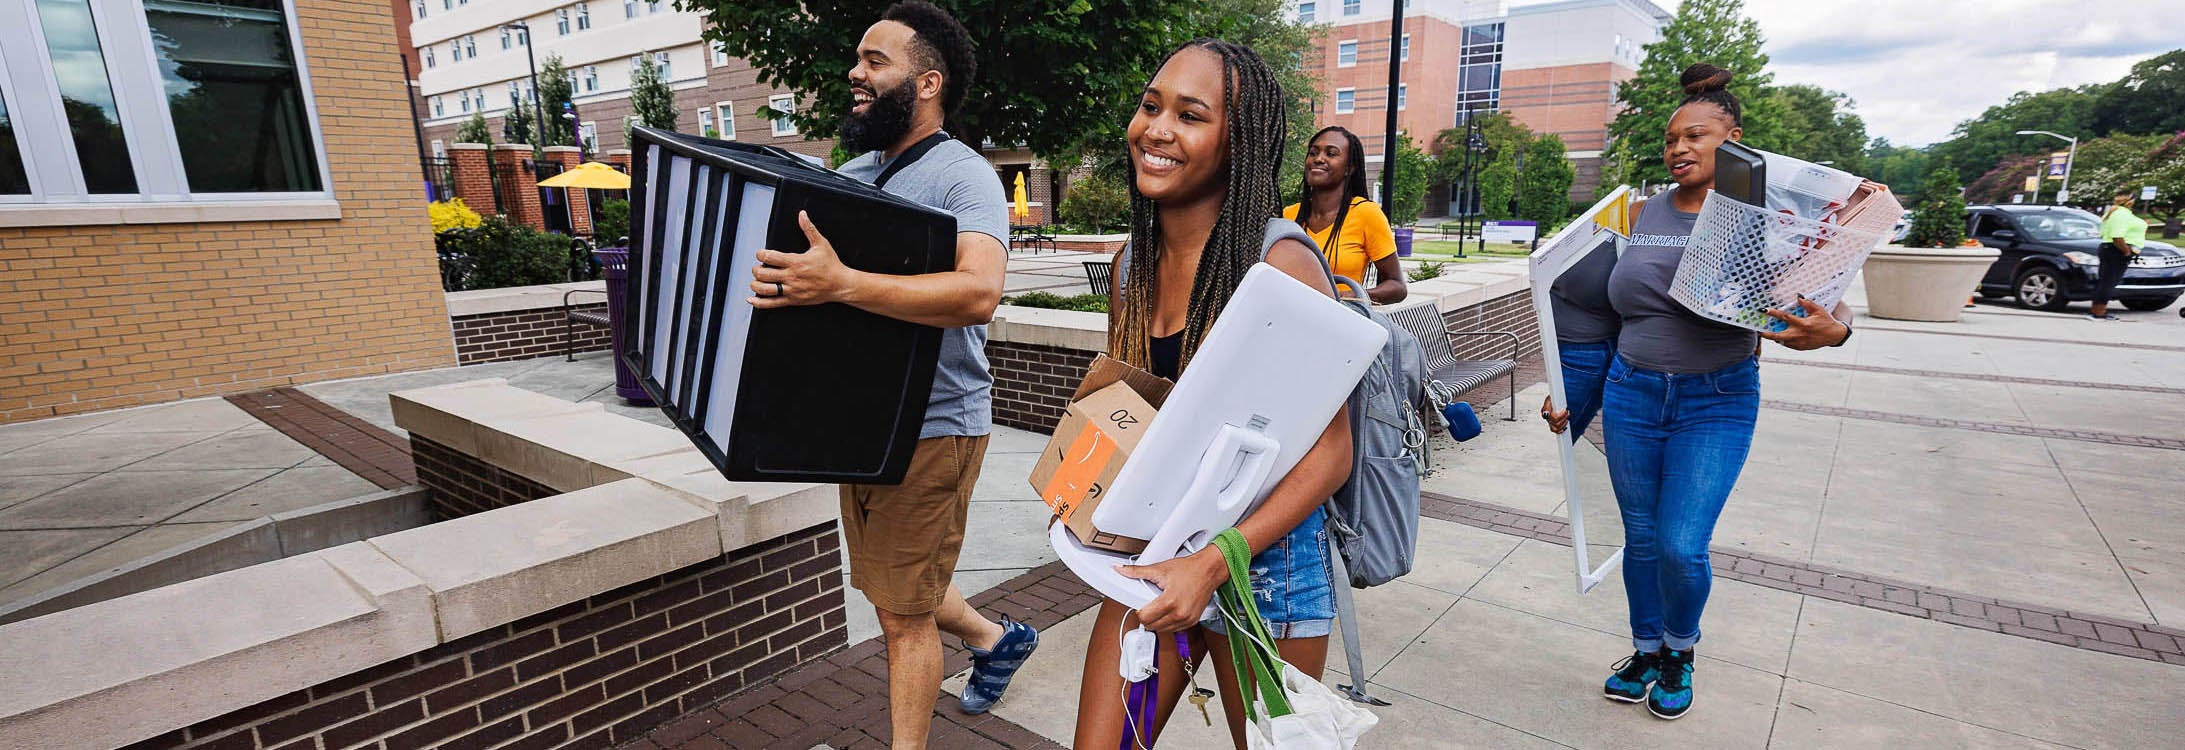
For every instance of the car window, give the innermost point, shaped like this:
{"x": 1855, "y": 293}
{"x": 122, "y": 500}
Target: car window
{"x": 1984, "y": 225}
{"x": 2060, "y": 225}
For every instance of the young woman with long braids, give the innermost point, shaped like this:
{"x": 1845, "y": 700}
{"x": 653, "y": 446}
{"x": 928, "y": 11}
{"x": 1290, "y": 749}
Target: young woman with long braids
{"x": 1205, "y": 146}
{"x": 1679, "y": 404}
{"x": 1351, "y": 231}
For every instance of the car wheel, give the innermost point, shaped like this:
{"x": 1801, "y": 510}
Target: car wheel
{"x": 2041, "y": 289}
{"x": 2150, "y": 303}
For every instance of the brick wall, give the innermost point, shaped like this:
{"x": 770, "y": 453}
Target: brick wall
{"x": 521, "y": 187}
{"x": 473, "y": 177}
{"x": 101, "y": 317}
{"x": 522, "y": 334}
{"x": 1033, "y": 383}
{"x": 458, "y": 485}
{"x": 589, "y": 674}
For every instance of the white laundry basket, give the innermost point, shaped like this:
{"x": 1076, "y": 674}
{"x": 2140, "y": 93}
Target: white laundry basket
{"x": 1744, "y": 260}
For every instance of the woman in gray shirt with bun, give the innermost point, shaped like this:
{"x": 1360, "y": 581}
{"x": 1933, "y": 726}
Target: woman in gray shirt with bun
{"x": 1678, "y": 406}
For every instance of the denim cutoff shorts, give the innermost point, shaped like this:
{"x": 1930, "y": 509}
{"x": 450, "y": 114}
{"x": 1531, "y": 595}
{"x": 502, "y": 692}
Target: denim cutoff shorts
{"x": 1290, "y": 583}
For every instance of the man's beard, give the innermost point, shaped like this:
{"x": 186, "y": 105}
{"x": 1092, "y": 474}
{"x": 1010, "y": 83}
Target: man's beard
{"x": 884, "y": 123}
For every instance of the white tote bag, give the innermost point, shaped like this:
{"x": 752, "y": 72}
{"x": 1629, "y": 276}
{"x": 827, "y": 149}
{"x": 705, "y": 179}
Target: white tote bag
{"x": 1299, "y": 713}
{"x": 1319, "y": 719}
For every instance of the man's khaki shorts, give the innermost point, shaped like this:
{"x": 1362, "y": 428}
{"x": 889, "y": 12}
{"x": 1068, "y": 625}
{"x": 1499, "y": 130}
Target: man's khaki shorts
{"x": 903, "y": 539}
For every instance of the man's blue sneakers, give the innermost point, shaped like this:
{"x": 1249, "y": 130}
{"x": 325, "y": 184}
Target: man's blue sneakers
{"x": 1672, "y": 694}
{"x": 1633, "y": 676}
{"x": 992, "y": 668}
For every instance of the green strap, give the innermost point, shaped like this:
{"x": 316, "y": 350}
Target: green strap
{"x": 1250, "y": 642}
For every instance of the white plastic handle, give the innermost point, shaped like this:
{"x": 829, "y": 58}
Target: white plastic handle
{"x": 1230, "y": 474}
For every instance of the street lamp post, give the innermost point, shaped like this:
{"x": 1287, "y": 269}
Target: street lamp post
{"x": 2069, "y": 156}
{"x": 538, "y": 115}
{"x": 1395, "y": 84}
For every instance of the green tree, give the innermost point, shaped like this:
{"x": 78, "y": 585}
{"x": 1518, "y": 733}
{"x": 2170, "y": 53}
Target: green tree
{"x": 1495, "y": 170}
{"x": 1097, "y": 203}
{"x": 1977, "y": 144}
{"x": 2105, "y": 166}
{"x": 2150, "y": 99}
{"x": 1407, "y": 198}
{"x": 1939, "y": 219}
{"x": 474, "y": 130}
{"x": 1543, "y": 193}
{"x": 555, "y": 90}
{"x": 516, "y": 124}
{"x": 2008, "y": 177}
{"x": 1901, "y": 168}
{"x": 1818, "y": 125}
{"x": 1270, "y": 29}
{"x": 1054, "y": 75}
{"x": 650, "y": 98}
{"x": 1709, "y": 31}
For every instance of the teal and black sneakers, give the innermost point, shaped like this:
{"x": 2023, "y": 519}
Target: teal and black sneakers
{"x": 1633, "y": 675}
{"x": 1672, "y": 694}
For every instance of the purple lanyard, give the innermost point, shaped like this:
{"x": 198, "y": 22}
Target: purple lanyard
{"x": 1139, "y": 707}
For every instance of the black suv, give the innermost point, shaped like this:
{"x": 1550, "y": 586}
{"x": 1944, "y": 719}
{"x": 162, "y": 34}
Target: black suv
{"x": 2049, "y": 259}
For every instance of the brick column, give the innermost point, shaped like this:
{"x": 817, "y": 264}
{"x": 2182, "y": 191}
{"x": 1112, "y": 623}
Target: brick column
{"x": 580, "y": 200}
{"x": 522, "y": 185}
{"x": 1040, "y": 188}
{"x": 620, "y": 157}
{"x": 473, "y": 177}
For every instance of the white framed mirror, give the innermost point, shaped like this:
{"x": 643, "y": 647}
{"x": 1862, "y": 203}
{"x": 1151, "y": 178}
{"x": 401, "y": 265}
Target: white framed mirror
{"x": 1569, "y": 276}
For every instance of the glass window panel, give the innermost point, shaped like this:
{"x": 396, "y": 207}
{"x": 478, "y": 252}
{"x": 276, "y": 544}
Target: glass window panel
{"x": 87, "y": 96}
{"x": 237, "y": 100}
{"x": 13, "y": 179}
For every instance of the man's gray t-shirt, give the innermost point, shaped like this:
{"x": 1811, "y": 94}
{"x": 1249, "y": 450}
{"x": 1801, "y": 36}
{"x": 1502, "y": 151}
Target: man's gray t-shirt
{"x": 953, "y": 178}
{"x": 1659, "y": 334}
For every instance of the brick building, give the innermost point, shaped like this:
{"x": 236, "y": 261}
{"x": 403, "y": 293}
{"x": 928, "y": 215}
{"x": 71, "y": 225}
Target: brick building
{"x": 1554, "y": 66}
{"x": 230, "y": 209}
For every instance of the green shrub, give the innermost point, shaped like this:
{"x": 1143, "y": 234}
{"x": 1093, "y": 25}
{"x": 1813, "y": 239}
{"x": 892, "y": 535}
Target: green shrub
{"x": 1052, "y": 301}
{"x": 1427, "y": 270}
{"x": 501, "y": 253}
{"x": 1939, "y": 219}
{"x": 1097, "y": 203}
{"x": 610, "y": 222}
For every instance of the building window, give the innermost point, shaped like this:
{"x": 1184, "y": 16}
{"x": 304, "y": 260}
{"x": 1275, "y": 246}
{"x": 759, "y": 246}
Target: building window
{"x": 783, "y": 104}
{"x": 429, "y": 61}
{"x": 1346, "y": 54}
{"x": 470, "y": 46}
{"x": 508, "y": 38}
{"x": 591, "y": 78}
{"x": 94, "y": 117}
{"x": 1405, "y": 54}
{"x": 590, "y": 133}
{"x": 705, "y": 123}
{"x": 652, "y": 6}
{"x": 1353, "y": 7}
{"x": 447, "y": 4}
{"x": 666, "y": 72}
{"x": 561, "y": 21}
{"x": 455, "y": 50}
{"x": 1306, "y": 11}
{"x": 418, "y": 9}
{"x": 720, "y": 54}
{"x": 439, "y": 148}
{"x": 629, "y": 8}
{"x": 1346, "y": 101}
{"x": 439, "y": 107}
{"x": 584, "y": 16}
{"x": 727, "y": 117}
{"x": 1403, "y": 95}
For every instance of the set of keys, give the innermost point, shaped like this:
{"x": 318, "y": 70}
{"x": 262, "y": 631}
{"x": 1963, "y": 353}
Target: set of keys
{"x": 1198, "y": 697}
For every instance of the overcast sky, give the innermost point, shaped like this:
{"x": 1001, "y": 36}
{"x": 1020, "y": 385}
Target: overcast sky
{"x": 1918, "y": 67}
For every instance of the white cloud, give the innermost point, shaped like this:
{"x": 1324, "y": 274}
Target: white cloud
{"x": 1918, "y": 67}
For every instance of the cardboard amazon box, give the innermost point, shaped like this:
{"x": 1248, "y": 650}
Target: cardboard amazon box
{"x": 1107, "y": 415}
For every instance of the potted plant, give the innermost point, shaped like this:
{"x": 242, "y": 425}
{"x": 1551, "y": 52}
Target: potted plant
{"x": 1928, "y": 276}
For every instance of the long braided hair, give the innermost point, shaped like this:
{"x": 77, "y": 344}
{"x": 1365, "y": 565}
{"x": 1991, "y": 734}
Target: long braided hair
{"x": 1354, "y": 186}
{"x": 1253, "y": 102}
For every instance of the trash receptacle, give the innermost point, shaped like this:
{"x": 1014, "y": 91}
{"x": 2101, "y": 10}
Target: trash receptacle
{"x": 615, "y": 264}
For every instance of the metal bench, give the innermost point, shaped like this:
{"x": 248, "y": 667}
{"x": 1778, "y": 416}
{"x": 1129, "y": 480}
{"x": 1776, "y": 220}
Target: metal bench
{"x": 1099, "y": 274}
{"x": 1453, "y": 377}
{"x": 571, "y": 316}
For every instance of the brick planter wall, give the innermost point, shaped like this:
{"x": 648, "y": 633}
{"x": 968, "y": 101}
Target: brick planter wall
{"x": 458, "y": 485}
{"x": 1110, "y": 247}
{"x": 589, "y": 674}
{"x": 1032, "y": 383}
{"x": 1513, "y": 313}
{"x": 522, "y": 334}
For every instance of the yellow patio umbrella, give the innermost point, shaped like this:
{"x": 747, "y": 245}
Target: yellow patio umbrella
{"x": 1023, "y": 208}
{"x": 590, "y": 175}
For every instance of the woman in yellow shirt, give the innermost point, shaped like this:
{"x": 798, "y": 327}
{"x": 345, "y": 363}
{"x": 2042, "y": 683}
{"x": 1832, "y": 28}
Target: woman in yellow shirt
{"x": 1352, "y": 231}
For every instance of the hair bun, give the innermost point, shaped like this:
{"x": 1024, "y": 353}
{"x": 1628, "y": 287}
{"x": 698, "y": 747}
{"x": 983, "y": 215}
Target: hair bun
{"x": 1702, "y": 78}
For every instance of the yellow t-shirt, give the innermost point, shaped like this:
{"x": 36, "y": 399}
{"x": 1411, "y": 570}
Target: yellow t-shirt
{"x": 1366, "y": 238}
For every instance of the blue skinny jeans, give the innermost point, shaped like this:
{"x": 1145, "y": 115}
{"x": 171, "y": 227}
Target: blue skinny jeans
{"x": 1585, "y": 366}
{"x": 1676, "y": 443}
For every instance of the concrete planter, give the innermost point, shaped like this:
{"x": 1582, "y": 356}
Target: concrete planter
{"x": 1923, "y": 283}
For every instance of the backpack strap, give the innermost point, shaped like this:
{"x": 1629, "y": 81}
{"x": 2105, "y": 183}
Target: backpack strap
{"x": 1346, "y": 616}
